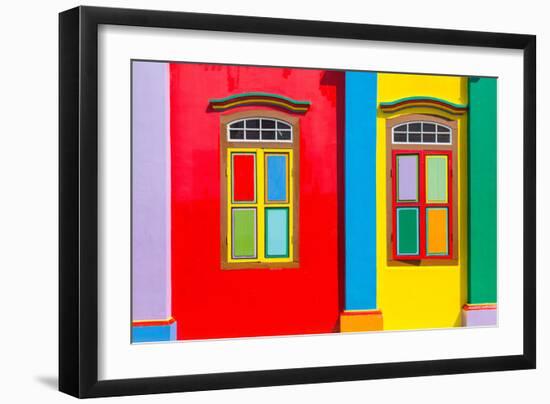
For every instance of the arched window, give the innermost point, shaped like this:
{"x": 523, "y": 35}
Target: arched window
{"x": 259, "y": 130}
{"x": 259, "y": 190}
{"x": 422, "y": 190}
{"x": 417, "y": 132}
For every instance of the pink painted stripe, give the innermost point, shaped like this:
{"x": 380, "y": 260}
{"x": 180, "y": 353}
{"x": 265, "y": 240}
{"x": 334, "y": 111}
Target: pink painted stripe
{"x": 142, "y": 323}
{"x": 362, "y": 312}
{"x": 470, "y": 307}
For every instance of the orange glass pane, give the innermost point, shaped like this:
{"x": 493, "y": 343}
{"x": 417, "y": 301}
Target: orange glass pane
{"x": 437, "y": 233}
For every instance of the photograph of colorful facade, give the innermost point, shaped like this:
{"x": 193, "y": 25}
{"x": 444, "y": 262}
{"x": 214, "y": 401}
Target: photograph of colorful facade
{"x": 274, "y": 201}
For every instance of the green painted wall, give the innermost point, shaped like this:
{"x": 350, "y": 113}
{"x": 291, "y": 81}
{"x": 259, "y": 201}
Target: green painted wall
{"x": 482, "y": 191}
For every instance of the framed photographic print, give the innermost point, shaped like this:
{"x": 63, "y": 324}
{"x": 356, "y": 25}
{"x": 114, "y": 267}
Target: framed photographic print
{"x": 251, "y": 201}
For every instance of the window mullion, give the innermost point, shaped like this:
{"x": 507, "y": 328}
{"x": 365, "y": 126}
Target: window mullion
{"x": 422, "y": 199}
{"x": 290, "y": 196}
{"x": 260, "y": 202}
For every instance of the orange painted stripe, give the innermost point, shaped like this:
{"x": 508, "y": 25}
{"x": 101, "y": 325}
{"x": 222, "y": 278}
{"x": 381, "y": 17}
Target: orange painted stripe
{"x": 471, "y": 307}
{"x": 141, "y": 323}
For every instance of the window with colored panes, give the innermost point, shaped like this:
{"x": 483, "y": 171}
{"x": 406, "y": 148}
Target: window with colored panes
{"x": 260, "y": 194}
{"x": 421, "y": 194}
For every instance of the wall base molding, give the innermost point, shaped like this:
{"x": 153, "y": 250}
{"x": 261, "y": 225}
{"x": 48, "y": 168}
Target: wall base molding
{"x": 154, "y": 332}
{"x": 479, "y": 315}
{"x": 361, "y": 320}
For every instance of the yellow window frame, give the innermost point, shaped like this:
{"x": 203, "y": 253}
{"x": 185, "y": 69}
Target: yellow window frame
{"x": 261, "y": 203}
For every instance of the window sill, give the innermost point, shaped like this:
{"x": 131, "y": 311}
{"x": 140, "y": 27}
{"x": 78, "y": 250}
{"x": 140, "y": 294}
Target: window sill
{"x": 260, "y": 265}
{"x": 424, "y": 263}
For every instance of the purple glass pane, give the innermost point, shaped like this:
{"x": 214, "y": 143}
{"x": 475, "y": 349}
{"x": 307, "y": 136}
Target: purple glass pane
{"x": 407, "y": 178}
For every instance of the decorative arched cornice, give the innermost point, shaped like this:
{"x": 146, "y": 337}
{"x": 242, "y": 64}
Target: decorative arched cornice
{"x": 256, "y": 98}
{"x": 423, "y": 102}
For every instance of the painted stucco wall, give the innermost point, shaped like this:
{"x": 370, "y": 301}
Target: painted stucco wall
{"x": 360, "y": 169}
{"x": 421, "y": 296}
{"x": 211, "y": 302}
{"x": 483, "y": 190}
{"x": 151, "y": 289}
{"x": 172, "y": 202}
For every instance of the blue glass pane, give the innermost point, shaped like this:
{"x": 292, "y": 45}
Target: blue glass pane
{"x": 276, "y": 232}
{"x": 276, "y": 178}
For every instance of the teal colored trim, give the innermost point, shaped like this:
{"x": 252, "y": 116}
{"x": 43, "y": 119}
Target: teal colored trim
{"x": 266, "y": 237}
{"x": 258, "y": 94}
{"x": 421, "y": 98}
{"x": 482, "y": 191}
{"x": 360, "y": 190}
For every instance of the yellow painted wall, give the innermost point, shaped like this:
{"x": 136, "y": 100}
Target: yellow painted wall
{"x": 414, "y": 296}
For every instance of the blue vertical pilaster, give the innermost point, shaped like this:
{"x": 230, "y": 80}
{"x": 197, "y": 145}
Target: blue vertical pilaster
{"x": 360, "y": 180}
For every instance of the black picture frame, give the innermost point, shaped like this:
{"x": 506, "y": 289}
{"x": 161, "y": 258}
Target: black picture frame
{"x": 78, "y": 201}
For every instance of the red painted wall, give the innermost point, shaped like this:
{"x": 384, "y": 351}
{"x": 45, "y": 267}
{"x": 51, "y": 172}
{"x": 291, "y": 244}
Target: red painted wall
{"x": 209, "y": 302}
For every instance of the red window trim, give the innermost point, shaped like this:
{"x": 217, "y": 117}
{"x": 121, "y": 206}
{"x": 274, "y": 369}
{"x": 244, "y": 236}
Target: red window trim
{"x": 422, "y": 205}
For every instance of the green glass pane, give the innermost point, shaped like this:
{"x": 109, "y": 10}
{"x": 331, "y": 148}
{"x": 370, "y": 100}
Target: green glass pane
{"x": 407, "y": 231}
{"x": 244, "y": 233}
{"x": 436, "y": 178}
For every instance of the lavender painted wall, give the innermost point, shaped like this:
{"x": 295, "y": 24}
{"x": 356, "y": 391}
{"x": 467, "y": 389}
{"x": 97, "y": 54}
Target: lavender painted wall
{"x": 477, "y": 318}
{"x": 151, "y": 294}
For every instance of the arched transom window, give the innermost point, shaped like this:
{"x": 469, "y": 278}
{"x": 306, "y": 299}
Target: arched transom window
{"x": 259, "y": 130}
{"x": 421, "y": 133}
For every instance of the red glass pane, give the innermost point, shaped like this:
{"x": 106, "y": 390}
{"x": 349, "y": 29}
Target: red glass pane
{"x": 244, "y": 177}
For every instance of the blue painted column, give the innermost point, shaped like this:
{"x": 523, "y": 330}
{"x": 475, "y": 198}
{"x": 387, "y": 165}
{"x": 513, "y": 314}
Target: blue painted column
{"x": 361, "y": 312}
